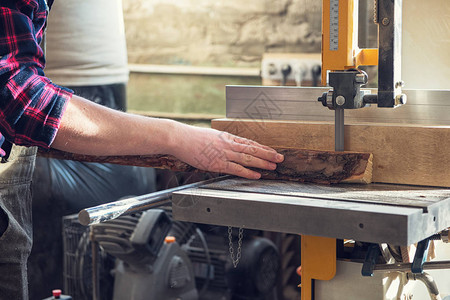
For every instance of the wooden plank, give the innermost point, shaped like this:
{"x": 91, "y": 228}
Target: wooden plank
{"x": 177, "y": 116}
{"x": 158, "y": 161}
{"x": 299, "y": 164}
{"x": 193, "y": 70}
{"x": 403, "y": 154}
{"x": 322, "y": 167}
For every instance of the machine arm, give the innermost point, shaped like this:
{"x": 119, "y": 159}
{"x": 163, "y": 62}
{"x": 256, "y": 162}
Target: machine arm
{"x": 341, "y": 55}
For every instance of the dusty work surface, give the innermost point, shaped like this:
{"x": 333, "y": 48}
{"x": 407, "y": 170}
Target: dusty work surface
{"x": 381, "y": 213}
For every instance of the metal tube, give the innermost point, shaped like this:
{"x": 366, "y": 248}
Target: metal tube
{"x": 429, "y": 282}
{"x": 113, "y": 210}
{"x": 406, "y": 267}
{"x": 339, "y": 129}
{"x": 95, "y": 271}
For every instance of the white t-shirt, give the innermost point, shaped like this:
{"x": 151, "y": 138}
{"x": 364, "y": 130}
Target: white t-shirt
{"x": 86, "y": 43}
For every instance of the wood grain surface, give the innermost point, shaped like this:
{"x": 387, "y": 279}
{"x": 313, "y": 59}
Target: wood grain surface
{"x": 322, "y": 166}
{"x": 299, "y": 165}
{"x": 402, "y": 154}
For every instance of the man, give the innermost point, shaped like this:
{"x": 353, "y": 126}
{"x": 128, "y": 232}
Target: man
{"x": 85, "y": 52}
{"x": 36, "y": 112}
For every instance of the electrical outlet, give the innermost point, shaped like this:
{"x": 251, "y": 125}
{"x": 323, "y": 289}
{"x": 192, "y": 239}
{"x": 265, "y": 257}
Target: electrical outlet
{"x": 297, "y": 68}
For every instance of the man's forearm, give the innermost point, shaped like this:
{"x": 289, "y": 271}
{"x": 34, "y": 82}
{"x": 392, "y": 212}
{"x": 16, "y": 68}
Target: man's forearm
{"x": 89, "y": 128}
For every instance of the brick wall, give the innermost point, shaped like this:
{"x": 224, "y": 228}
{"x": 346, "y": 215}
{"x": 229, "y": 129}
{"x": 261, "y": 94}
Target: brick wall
{"x": 219, "y": 32}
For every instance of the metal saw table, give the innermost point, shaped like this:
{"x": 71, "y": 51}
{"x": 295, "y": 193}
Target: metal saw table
{"x": 376, "y": 213}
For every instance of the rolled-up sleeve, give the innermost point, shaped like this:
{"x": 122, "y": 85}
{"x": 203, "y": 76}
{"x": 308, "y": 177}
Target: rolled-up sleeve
{"x": 31, "y": 106}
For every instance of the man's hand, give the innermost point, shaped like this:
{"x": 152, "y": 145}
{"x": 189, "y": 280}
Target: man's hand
{"x": 91, "y": 129}
{"x": 218, "y": 151}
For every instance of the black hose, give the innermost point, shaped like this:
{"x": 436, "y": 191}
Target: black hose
{"x": 208, "y": 260}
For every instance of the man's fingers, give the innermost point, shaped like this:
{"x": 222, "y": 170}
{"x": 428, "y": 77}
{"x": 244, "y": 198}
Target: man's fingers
{"x": 269, "y": 155}
{"x": 249, "y": 160}
{"x": 248, "y": 142}
{"x": 238, "y": 170}
{"x": 241, "y": 153}
{"x": 244, "y": 145}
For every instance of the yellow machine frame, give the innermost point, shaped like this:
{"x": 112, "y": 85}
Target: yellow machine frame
{"x": 318, "y": 254}
{"x": 348, "y": 55}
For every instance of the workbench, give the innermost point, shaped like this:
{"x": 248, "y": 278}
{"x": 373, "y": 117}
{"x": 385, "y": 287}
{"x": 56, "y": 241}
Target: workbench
{"x": 376, "y": 213}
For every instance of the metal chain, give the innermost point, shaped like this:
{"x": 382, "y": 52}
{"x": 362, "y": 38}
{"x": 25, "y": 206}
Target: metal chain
{"x": 239, "y": 248}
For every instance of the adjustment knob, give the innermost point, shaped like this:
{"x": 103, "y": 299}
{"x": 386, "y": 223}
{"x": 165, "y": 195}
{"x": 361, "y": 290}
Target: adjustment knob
{"x": 327, "y": 99}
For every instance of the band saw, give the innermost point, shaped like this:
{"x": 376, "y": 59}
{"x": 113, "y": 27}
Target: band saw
{"x": 395, "y": 211}
{"x": 395, "y": 214}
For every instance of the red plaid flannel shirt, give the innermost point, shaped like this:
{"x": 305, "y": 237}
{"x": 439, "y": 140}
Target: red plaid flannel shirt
{"x": 31, "y": 106}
